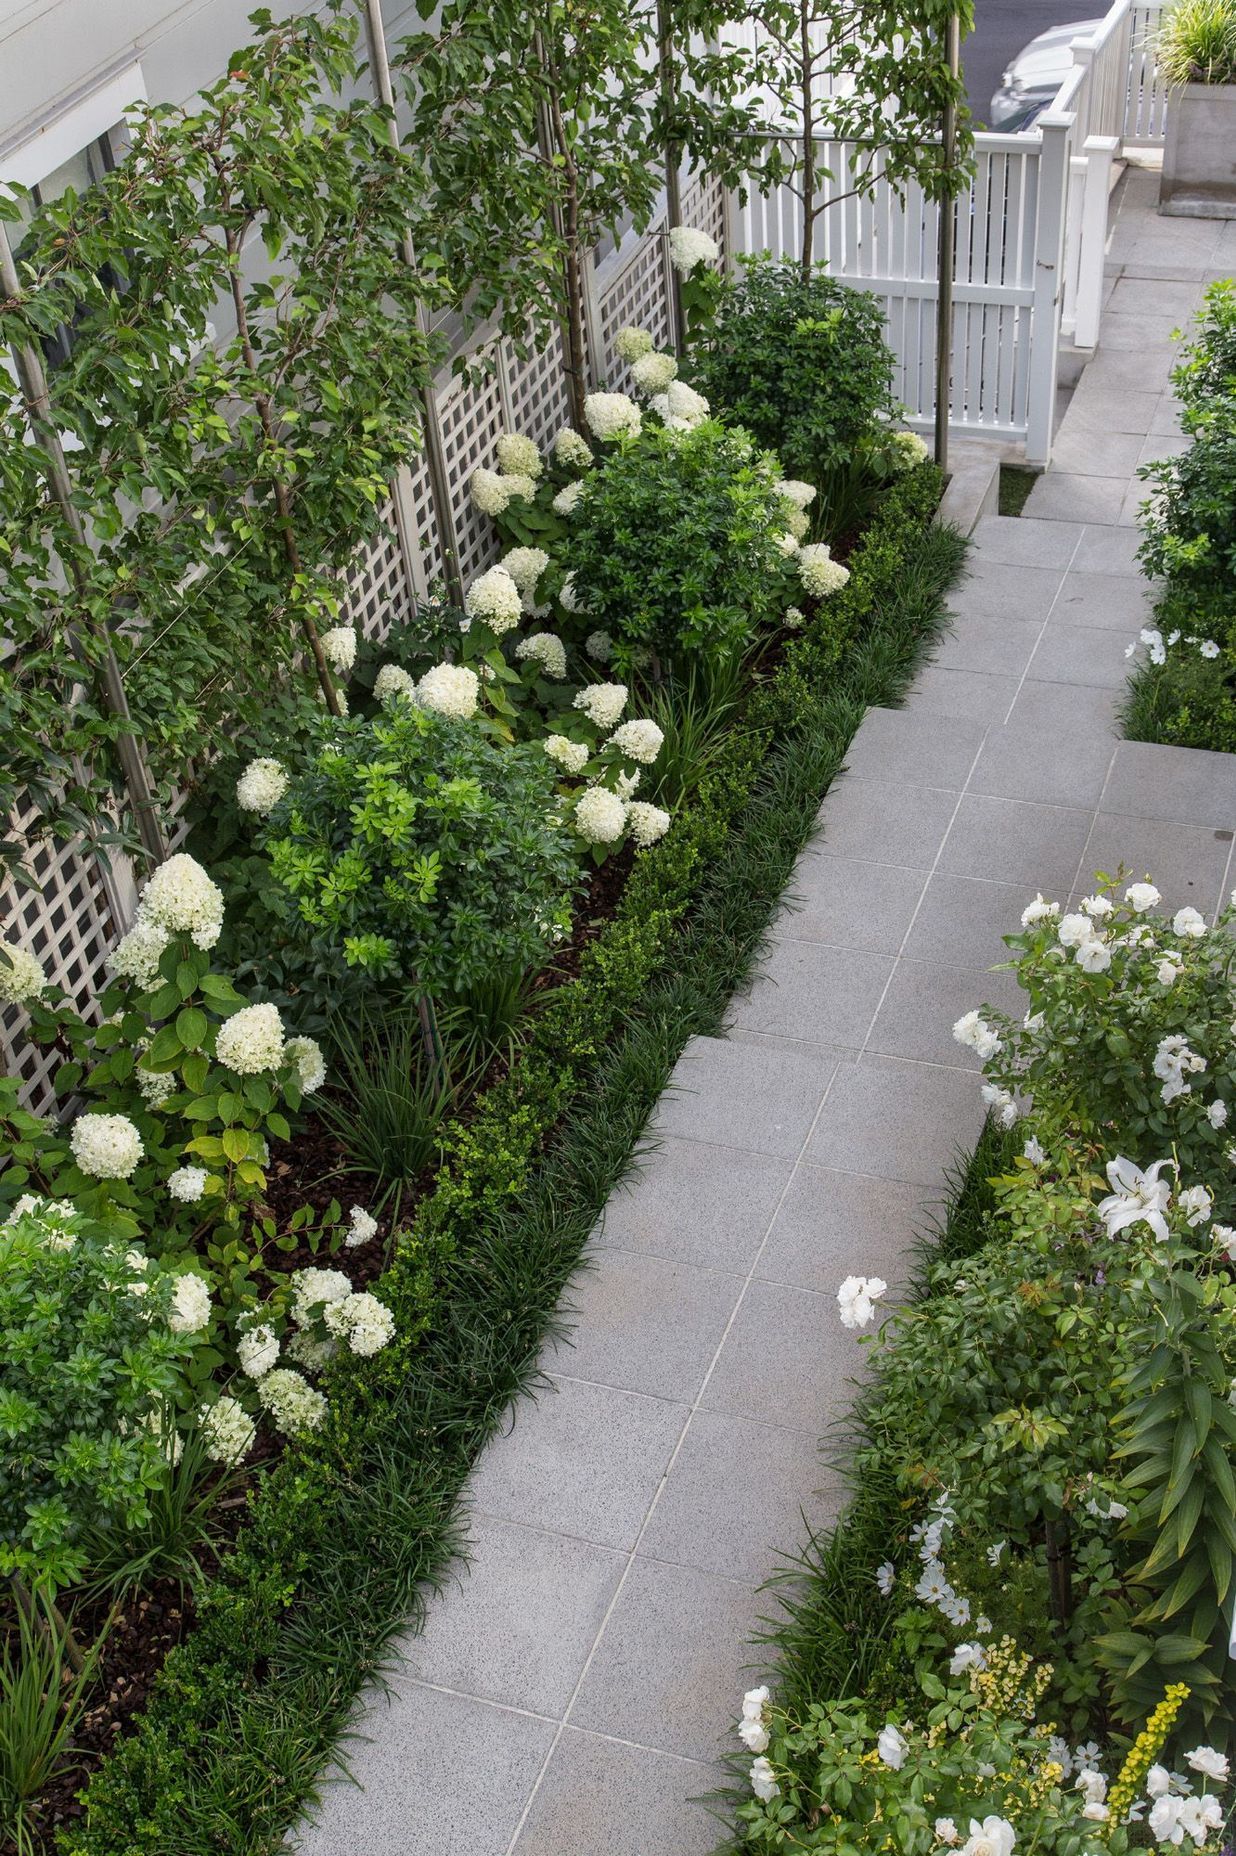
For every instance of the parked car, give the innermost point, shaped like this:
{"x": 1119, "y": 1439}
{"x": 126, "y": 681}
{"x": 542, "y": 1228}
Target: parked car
{"x": 1034, "y": 77}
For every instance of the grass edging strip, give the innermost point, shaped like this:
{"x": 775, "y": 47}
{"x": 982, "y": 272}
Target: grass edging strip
{"x": 349, "y": 1535}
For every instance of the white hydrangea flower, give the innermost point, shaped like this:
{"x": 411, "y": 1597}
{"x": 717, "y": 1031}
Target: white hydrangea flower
{"x": 630, "y": 343}
{"x": 392, "y": 682}
{"x": 787, "y": 542}
{"x": 571, "y": 756}
{"x": 450, "y": 689}
{"x": 180, "y": 898}
{"x": 568, "y": 497}
{"x": 525, "y": 566}
{"x": 639, "y": 740}
{"x": 568, "y": 598}
{"x": 494, "y": 599}
{"x": 187, "y": 1183}
{"x": 689, "y": 246}
{"x": 610, "y": 415}
{"x": 295, "y": 1407}
{"x": 819, "y": 572}
{"x": 156, "y": 1086}
{"x": 600, "y": 816}
{"x": 652, "y": 372}
{"x": 306, "y": 1054}
{"x": 856, "y": 1299}
{"x": 339, "y": 648}
{"x": 599, "y": 646}
{"x": 571, "y": 450}
{"x": 251, "y": 1041}
{"x": 793, "y": 618}
{"x": 362, "y": 1228}
{"x": 797, "y": 523}
{"x": 793, "y": 490}
{"x": 680, "y": 407}
{"x": 363, "y": 1321}
{"x": 106, "y": 1146}
{"x": 1142, "y": 896}
{"x": 602, "y": 703}
{"x": 646, "y": 823}
{"x": 308, "y": 1351}
{"x": 546, "y": 650}
{"x": 257, "y": 1350}
{"x": 21, "y": 975}
{"x": 227, "y": 1431}
{"x": 190, "y": 1310}
{"x": 518, "y": 456}
{"x": 490, "y": 492}
{"x": 911, "y": 449}
{"x": 137, "y": 955}
{"x": 313, "y": 1288}
{"x": 261, "y": 786}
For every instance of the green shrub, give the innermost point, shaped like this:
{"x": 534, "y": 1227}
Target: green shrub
{"x": 1190, "y": 529}
{"x": 1196, "y": 42}
{"x": 1207, "y": 368}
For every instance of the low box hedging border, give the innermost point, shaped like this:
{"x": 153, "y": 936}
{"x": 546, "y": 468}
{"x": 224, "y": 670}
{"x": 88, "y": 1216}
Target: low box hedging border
{"x": 349, "y": 1533}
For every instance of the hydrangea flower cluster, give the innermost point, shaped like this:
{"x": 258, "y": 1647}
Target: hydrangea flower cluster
{"x": 547, "y": 650}
{"x": 294, "y": 1406}
{"x": 492, "y": 493}
{"x": 631, "y": 344}
{"x": 612, "y": 415}
{"x": 227, "y": 1431}
{"x": 494, "y": 599}
{"x": 680, "y": 408}
{"x": 909, "y": 449}
{"x": 392, "y": 684}
{"x": 568, "y": 497}
{"x": 306, "y": 1054}
{"x": 688, "y": 246}
{"x": 571, "y": 450}
{"x": 652, "y": 372}
{"x": 179, "y": 899}
{"x": 639, "y": 740}
{"x": 106, "y": 1146}
{"x": 190, "y": 1310}
{"x": 339, "y": 648}
{"x": 571, "y": 756}
{"x": 525, "y": 566}
{"x": 21, "y": 975}
{"x": 187, "y": 1184}
{"x": 252, "y": 1040}
{"x": 819, "y": 573}
{"x": 602, "y": 703}
{"x": 518, "y": 456}
{"x": 261, "y": 786}
{"x": 600, "y": 816}
{"x": 451, "y": 690}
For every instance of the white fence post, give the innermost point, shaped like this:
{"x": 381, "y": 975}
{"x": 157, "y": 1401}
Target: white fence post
{"x": 1096, "y": 192}
{"x": 1071, "y": 267}
{"x": 1045, "y": 308}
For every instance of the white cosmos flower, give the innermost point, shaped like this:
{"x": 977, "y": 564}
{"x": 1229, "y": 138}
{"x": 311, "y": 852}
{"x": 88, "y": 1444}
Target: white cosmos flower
{"x": 1136, "y": 1197}
{"x": 1142, "y": 896}
{"x": 886, "y": 1577}
{"x": 856, "y": 1299}
{"x": 1189, "y": 923}
{"x": 764, "y": 1781}
{"x": 892, "y": 1746}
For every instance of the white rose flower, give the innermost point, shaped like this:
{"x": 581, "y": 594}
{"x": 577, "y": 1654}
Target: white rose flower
{"x": 21, "y": 975}
{"x": 856, "y": 1299}
{"x": 1039, "y": 911}
{"x": 393, "y": 682}
{"x": 1093, "y": 956}
{"x": 451, "y": 690}
{"x": 976, "y": 1034}
{"x": 754, "y": 1702}
{"x": 339, "y": 648}
{"x": 1142, "y": 896}
{"x": 753, "y": 1735}
{"x": 251, "y": 1041}
{"x": 600, "y": 816}
{"x": 1211, "y": 1764}
{"x": 892, "y": 1746}
{"x": 1074, "y": 930}
{"x": 688, "y": 246}
{"x": 1168, "y": 971}
{"x": 1098, "y": 908}
{"x": 995, "y": 1836}
{"x": 306, "y": 1054}
{"x": 257, "y": 1350}
{"x": 652, "y": 372}
{"x": 946, "y": 1830}
{"x": 819, "y": 573}
{"x": 106, "y": 1146}
{"x": 602, "y": 703}
{"x": 1216, "y": 1114}
{"x": 227, "y": 1431}
{"x": 630, "y": 343}
{"x": 610, "y": 415}
{"x": 494, "y": 599}
{"x": 1225, "y": 1237}
{"x": 1158, "y": 1782}
{"x": 187, "y": 1183}
{"x": 190, "y": 1311}
{"x": 1092, "y": 1784}
{"x": 647, "y": 823}
{"x": 180, "y": 898}
{"x": 545, "y": 649}
{"x": 518, "y": 456}
{"x": 570, "y": 450}
{"x": 1189, "y": 924}
{"x": 571, "y": 756}
{"x": 764, "y": 1781}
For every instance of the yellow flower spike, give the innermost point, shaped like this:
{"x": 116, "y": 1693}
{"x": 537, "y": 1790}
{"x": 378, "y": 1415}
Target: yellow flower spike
{"x": 1142, "y": 1756}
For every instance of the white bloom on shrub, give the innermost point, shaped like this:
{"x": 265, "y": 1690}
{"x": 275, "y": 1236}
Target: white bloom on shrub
{"x": 680, "y": 407}
{"x": 602, "y": 703}
{"x": 647, "y": 823}
{"x": 227, "y": 1431}
{"x": 571, "y": 450}
{"x": 1092, "y": 1784}
{"x": 892, "y": 1746}
{"x": 793, "y": 618}
{"x": 1093, "y": 956}
{"x": 787, "y": 543}
{"x": 652, "y": 372}
{"x": 339, "y": 648}
{"x": 308, "y": 1350}
{"x": 362, "y": 1228}
{"x": 1216, "y": 1114}
{"x": 571, "y": 756}
{"x": 1168, "y": 971}
{"x": 1189, "y": 923}
{"x": 995, "y": 1836}
{"x": 393, "y": 681}
{"x": 313, "y": 1289}
{"x": 251, "y": 1041}
{"x": 967, "y": 1656}
{"x": 639, "y": 740}
{"x": 187, "y": 1183}
{"x": 547, "y": 650}
{"x": 857, "y": 1297}
{"x": 1173, "y": 1061}
{"x": 886, "y": 1578}
{"x": 294, "y": 1405}
{"x": 1172, "y": 1819}
{"x": 600, "y": 816}
{"x": 568, "y": 598}
{"x": 257, "y": 1350}
{"x": 610, "y": 415}
{"x": 261, "y": 786}
{"x": 798, "y": 523}
{"x": 1074, "y": 930}
{"x": 796, "y": 492}
{"x": 494, "y": 599}
{"x": 451, "y": 690}
{"x": 763, "y": 1780}
{"x": 911, "y": 449}
{"x": 754, "y": 1735}
{"x": 1001, "y": 1105}
{"x": 1142, "y": 896}
{"x": 21, "y": 975}
{"x": 137, "y": 955}
{"x": 362, "y": 1320}
{"x": 180, "y": 898}
{"x": 1136, "y": 1197}
{"x": 518, "y": 456}
{"x": 1197, "y": 1203}
{"x": 1033, "y": 1152}
{"x": 689, "y": 246}
{"x": 976, "y": 1034}
{"x": 1210, "y": 1763}
{"x": 946, "y": 1830}
{"x": 819, "y": 572}
{"x": 568, "y": 496}
{"x": 1098, "y": 908}
{"x": 156, "y": 1087}
{"x": 106, "y": 1146}
{"x": 1208, "y": 648}
{"x": 1225, "y": 1237}
{"x": 490, "y": 492}
{"x": 630, "y": 343}
{"x": 306, "y": 1054}
{"x": 525, "y": 566}
{"x": 190, "y": 1311}
{"x": 1158, "y": 1782}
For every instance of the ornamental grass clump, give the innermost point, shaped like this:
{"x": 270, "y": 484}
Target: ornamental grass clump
{"x": 1196, "y": 43}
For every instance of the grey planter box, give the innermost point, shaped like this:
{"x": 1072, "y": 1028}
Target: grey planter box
{"x": 1199, "y": 154}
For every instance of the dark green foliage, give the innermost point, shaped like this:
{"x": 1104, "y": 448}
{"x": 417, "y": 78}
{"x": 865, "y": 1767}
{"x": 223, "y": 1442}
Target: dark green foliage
{"x": 41, "y": 1706}
{"x": 388, "y": 1098}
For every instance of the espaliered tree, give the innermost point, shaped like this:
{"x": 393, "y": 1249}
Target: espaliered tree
{"x": 244, "y": 374}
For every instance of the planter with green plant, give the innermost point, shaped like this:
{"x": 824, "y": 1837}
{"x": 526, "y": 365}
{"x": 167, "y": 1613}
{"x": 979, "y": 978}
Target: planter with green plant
{"x": 1195, "y": 49}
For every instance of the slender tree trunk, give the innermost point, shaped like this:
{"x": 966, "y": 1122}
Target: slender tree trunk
{"x": 1059, "y": 1572}
{"x": 807, "y": 73}
{"x": 577, "y": 358}
{"x": 673, "y": 156}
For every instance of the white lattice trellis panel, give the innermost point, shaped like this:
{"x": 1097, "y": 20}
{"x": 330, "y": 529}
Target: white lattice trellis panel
{"x": 472, "y": 418}
{"x": 378, "y": 593}
{"x": 636, "y": 296}
{"x": 537, "y": 393}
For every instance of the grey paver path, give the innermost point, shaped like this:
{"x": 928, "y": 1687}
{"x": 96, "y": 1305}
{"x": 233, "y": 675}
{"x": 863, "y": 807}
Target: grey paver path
{"x": 571, "y": 1694}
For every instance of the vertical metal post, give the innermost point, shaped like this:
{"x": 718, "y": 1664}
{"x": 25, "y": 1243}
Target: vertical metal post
{"x": 673, "y": 191}
{"x": 435, "y": 457}
{"x": 948, "y": 212}
{"x": 109, "y": 683}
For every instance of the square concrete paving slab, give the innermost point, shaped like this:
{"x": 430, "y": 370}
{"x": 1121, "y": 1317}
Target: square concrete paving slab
{"x": 696, "y": 1203}
{"x": 581, "y": 1459}
{"x": 669, "y": 1670}
{"x": 1166, "y": 418}
{"x": 1019, "y": 541}
{"x": 1103, "y": 409}
{"x": 996, "y": 590}
{"x": 827, "y": 995}
{"x": 849, "y": 904}
{"x": 1185, "y": 784}
{"x": 438, "y": 1775}
{"x": 1135, "y": 373}
{"x": 1140, "y": 296}
{"x": 1186, "y": 862}
{"x": 1163, "y": 445}
{"x": 517, "y": 1624}
{"x": 735, "y": 1498}
{"x": 897, "y": 1120}
{"x": 1129, "y": 333}
{"x": 601, "y": 1798}
{"x": 924, "y": 1001}
{"x": 885, "y": 822}
{"x": 643, "y": 1323}
{"x": 995, "y": 647}
{"x": 1096, "y": 454}
{"x": 1068, "y": 497}
{"x": 787, "y": 1355}
{"x": 945, "y": 692}
{"x": 1107, "y": 551}
{"x": 962, "y": 921}
{"x": 757, "y": 1096}
{"x": 1133, "y": 508}
{"x": 897, "y": 744}
{"x": 827, "y": 1218}
{"x": 1009, "y": 841}
{"x": 1084, "y": 654}
{"x": 1054, "y": 765}
{"x": 1111, "y": 602}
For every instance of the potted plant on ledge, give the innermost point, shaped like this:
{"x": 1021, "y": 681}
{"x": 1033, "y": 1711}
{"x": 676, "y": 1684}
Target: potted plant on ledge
{"x": 1195, "y": 48}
